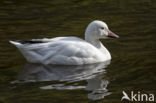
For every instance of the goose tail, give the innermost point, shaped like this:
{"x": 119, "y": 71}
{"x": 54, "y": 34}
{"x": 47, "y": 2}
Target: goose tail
{"x": 17, "y": 44}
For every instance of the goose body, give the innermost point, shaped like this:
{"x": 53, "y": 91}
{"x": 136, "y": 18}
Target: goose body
{"x": 68, "y": 50}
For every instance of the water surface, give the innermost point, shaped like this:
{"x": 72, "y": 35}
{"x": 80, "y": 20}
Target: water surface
{"x": 133, "y": 55}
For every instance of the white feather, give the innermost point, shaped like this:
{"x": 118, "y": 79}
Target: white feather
{"x": 66, "y": 50}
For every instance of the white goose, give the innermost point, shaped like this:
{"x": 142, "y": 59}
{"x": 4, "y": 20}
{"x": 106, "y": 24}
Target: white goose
{"x": 69, "y": 50}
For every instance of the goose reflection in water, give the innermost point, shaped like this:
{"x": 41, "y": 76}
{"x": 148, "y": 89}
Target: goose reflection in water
{"x": 92, "y": 73}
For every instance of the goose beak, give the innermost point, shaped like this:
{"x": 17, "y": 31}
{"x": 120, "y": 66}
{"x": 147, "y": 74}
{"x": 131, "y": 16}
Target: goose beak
{"x": 112, "y": 35}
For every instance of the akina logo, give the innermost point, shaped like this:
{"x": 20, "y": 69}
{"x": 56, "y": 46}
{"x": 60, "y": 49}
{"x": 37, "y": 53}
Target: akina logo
{"x": 138, "y": 96}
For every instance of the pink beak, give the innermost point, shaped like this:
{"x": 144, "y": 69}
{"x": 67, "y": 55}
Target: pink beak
{"x": 112, "y": 35}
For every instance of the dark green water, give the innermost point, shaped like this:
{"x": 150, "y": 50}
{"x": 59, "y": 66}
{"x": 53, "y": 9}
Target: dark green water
{"x": 133, "y": 63}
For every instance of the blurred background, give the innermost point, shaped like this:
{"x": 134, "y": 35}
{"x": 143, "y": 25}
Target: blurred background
{"x": 133, "y": 54}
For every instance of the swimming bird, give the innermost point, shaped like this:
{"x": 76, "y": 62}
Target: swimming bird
{"x": 69, "y": 50}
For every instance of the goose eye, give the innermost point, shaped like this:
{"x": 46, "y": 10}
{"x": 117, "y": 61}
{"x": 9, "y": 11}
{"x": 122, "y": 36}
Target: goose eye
{"x": 102, "y": 27}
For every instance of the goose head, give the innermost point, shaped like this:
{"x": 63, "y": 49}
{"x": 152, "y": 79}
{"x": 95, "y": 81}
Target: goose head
{"x": 97, "y": 30}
